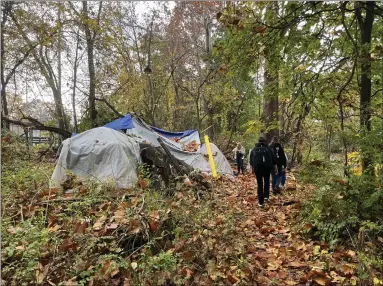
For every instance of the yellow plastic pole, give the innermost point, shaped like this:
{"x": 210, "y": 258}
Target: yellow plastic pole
{"x": 211, "y": 160}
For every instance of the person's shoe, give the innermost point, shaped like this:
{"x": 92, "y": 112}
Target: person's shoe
{"x": 261, "y": 206}
{"x": 276, "y": 191}
{"x": 267, "y": 200}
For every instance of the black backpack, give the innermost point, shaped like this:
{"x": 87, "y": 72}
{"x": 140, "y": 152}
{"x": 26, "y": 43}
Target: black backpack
{"x": 262, "y": 157}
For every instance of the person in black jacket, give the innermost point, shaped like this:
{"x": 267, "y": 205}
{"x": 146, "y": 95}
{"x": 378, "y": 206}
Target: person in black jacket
{"x": 281, "y": 159}
{"x": 262, "y": 161}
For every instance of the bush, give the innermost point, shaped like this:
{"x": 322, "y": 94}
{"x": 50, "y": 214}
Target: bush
{"x": 349, "y": 212}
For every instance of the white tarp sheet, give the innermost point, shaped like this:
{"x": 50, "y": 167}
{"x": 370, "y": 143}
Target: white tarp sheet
{"x": 198, "y": 160}
{"x": 221, "y": 164}
{"x": 100, "y": 153}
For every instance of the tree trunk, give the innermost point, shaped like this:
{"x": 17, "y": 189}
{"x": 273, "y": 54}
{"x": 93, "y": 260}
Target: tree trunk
{"x": 270, "y": 112}
{"x": 59, "y": 68}
{"x": 75, "y": 83}
{"x": 92, "y": 73}
{"x": 177, "y": 102}
{"x": 365, "y": 26}
{"x": 3, "y": 94}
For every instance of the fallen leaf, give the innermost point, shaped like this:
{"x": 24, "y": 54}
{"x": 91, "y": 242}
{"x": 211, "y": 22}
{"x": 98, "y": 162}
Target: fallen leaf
{"x": 119, "y": 215}
{"x": 134, "y": 226}
{"x": 187, "y": 272}
{"x": 106, "y": 267}
{"x": 232, "y": 278}
{"x": 71, "y": 282}
{"x": 351, "y": 253}
{"x": 308, "y": 226}
{"x": 80, "y": 227}
{"x": 127, "y": 282}
{"x": 54, "y": 229}
{"x": 347, "y": 269}
{"x": 20, "y": 247}
{"x": 68, "y": 244}
{"x": 320, "y": 280}
{"x": 99, "y": 223}
{"x": 114, "y": 273}
{"x": 40, "y": 273}
{"x": 297, "y": 264}
{"x": 112, "y": 226}
{"x": 282, "y": 274}
{"x": 154, "y": 225}
{"x": 134, "y": 265}
{"x": 143, "y": 184}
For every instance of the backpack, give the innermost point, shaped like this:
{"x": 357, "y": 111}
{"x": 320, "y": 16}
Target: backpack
{"x": 262, "y": 157}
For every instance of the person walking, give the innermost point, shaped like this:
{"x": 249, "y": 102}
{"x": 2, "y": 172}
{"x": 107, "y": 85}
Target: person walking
{"x": 263, "y": 161}
{"x": 239, "y": 154}
{"x": 279, "y": 177}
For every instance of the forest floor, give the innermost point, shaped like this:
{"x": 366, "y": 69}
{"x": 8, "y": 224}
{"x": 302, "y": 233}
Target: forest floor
{"x": 88, "y": 234}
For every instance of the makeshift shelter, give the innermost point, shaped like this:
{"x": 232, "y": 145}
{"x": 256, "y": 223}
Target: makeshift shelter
{"x": 185, "y": 146}
{"x": 100, "y": 153}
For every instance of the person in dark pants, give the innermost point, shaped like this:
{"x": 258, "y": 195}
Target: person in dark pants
{"x": 263, "y": 161}
{"x": 280, "y": 156}
{"x": 239, "y": 154}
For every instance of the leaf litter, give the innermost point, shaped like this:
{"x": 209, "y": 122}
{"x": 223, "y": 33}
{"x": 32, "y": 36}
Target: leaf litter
{"x": 222, "y": 238}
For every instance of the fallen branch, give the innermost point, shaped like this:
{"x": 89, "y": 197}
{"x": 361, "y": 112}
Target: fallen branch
{"x": 35, "y": 124}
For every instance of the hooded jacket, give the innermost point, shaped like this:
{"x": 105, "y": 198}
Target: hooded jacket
{"x": 280, "y": 155}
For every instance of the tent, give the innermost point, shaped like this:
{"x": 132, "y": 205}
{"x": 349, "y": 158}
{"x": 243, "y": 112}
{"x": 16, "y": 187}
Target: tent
{"x": 100, "y": 153}
{"x": 105, "y": 153}
{"x": 135, "y": 127}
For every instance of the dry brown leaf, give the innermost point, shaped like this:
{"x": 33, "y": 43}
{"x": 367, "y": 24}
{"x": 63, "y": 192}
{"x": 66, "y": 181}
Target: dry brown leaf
{"x": 107, "y": 264}
{"x": 297, "y": 264}
{"x": 99, "y": 223}
{"x": 143, "y": 184}
{"x": 154, "y": 225}
{"x": 71, "y": 282}
{"x": 119, "y": 215}
{"x": 134, "y": 226}
{"x": 68, "y": 244}
{"x": 54, "y": 229}
{"x": 80, "y": 227}
{"x": 40, "y": 275}
{"x": 347, "y": 269}
{"x": 187, "y": 272}
{"x": 320, "y": 280}
{"x": 20, "y": 247}
{"x": 308, "y": 226}
{"x": 127, "y": 282}
{"x": 232, "y": 278}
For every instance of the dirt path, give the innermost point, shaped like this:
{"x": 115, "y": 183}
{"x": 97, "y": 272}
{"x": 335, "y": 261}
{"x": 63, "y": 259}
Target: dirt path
{"x": 279, "y": 255}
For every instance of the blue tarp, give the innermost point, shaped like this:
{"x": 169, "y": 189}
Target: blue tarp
{"x": 127, "y": 123}
{"x": 173, "y": 134}
{"x": 121, "y": 123}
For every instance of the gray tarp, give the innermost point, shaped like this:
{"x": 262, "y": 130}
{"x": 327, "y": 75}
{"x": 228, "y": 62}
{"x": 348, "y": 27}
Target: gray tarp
{"x": 198, "y": 160}
{"x": 100, "y": 153}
